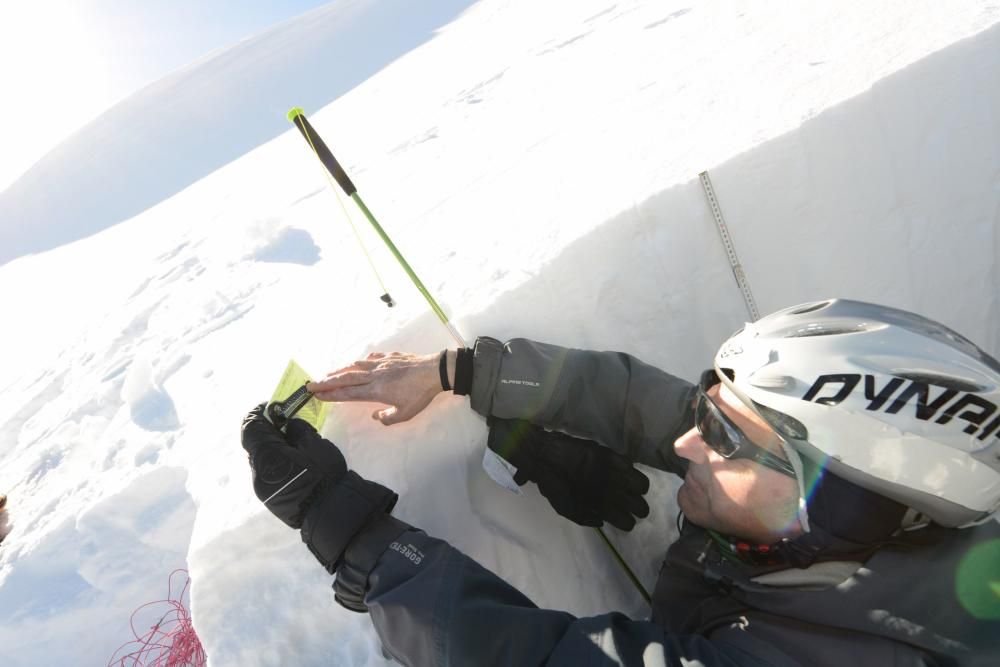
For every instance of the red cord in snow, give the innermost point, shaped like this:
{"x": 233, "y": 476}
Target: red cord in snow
{"x": 170, "y": 642}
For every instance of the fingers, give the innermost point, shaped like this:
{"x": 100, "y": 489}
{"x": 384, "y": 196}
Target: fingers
{"x": 622, "y": 473}
{"x": 560, "y": 495}
{"x": 341, "y": 395}
{"x": 349, "y": 386}
{"x": 632, "y": 481}
{"x": 625, "y": 491}
{"x": 255, "y": 414}
{"x": 386, "y": 415}
{"x": 357, "y": 371}
{"x": 392, "y": 415}
{"x": 257, "y": 431}
{"x": 622, "y": 509}
{"x": 366, "y": 393}
{"x": 637, "y": 505}
{"x": 619, "y": 518}
{"x": 370, "y": 362}
{"x": 299, "y": 431}
{"x": 318, "y": 449}
{"x": 344, "y": 378}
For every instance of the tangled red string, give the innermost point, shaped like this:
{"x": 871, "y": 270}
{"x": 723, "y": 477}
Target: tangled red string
{"x": 170, "y": 642}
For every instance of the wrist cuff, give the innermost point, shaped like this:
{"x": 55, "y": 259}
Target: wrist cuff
{"x": 443, "y": 370}
{"x": 463, "y": 371}
{"x": 362, "y": 554}
{"x": 340, "y": 514}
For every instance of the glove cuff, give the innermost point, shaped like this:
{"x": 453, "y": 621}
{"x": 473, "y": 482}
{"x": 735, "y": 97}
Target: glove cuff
{"x": 361, "y": 557}
{"x": 340, "y": 513}
{"x": 509, "y": 439}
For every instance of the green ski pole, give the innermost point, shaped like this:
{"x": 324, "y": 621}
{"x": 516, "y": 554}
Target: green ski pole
{"x": 319, "y": 147}
{"x": 628, "y": 571}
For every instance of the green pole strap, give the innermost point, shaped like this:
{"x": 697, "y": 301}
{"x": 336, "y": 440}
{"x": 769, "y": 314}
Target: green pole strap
{"x": 399, "y": 257}
{"x": 628, "y": 571}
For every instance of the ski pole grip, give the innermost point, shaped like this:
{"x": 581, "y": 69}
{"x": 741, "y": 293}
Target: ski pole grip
{"x": 316, "y": 142}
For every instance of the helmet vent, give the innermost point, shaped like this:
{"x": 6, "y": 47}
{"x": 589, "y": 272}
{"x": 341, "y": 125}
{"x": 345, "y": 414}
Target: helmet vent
{"x": 958, "y": 384}
{"x": 811, "y": 330}
{"x": 785, "y": 425}
{"x": 810, "y": 307}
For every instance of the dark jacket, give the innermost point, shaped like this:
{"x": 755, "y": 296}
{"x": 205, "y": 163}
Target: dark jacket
{"x": 432, "y": 605}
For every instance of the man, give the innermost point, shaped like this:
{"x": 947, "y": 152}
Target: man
{"x": 841, "y": 463}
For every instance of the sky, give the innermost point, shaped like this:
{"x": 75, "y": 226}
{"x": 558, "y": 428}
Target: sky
{"x": 63, "y": 62}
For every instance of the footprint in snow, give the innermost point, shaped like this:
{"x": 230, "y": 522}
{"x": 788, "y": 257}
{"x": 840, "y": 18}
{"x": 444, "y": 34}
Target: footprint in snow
{"x": 291, "y": 246}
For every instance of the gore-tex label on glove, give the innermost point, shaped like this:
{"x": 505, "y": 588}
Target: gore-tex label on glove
{"x": 500, "y": 471}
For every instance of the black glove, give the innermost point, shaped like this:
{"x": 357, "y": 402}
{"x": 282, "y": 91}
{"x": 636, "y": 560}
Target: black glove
{"x": 303, "y": 479}
{"x": 582, "y": 480}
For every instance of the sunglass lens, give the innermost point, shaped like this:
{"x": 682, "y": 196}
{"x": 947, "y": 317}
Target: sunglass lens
{"x": 712, "y": 429}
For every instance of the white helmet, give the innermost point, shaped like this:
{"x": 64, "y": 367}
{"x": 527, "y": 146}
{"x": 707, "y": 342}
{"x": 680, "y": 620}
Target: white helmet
{"x": 888, "y": 400}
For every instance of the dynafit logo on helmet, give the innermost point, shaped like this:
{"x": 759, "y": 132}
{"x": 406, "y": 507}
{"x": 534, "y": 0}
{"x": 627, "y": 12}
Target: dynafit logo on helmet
{"x": 950, "y": 404}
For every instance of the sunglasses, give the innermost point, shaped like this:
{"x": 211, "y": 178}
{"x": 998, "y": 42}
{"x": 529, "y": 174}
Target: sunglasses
{"x": 722, "y": 435}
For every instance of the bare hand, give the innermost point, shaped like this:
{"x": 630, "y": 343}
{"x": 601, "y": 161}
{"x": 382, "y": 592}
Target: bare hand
{"x": 405, "y": 382}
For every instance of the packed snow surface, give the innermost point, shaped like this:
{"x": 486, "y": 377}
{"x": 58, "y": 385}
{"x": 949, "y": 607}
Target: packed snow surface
{"x": 537, "y": 164}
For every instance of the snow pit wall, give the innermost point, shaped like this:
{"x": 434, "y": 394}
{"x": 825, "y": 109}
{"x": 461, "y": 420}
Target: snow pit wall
{"x": 891, "y": 197}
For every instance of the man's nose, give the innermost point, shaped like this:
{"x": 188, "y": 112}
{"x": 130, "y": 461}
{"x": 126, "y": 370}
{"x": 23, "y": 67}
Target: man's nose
{"x": 690, "y": 446}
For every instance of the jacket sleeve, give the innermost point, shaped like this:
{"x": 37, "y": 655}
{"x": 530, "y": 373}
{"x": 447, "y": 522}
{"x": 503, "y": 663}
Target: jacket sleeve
{"x": 434, "y": 606}
{"x": 610, "y": 397}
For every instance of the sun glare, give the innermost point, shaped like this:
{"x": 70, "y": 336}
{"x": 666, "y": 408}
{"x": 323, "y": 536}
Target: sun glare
{"x": 54, "y": 79}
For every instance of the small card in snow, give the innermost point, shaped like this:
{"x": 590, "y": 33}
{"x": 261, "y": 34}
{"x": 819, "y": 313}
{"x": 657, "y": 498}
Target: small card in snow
{"x": 500, "y": 471}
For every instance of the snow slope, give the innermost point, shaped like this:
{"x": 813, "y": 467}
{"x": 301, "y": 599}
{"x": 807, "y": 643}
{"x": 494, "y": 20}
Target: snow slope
{"x": 188, "y": 124}
{"x": 538, "y": 165}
